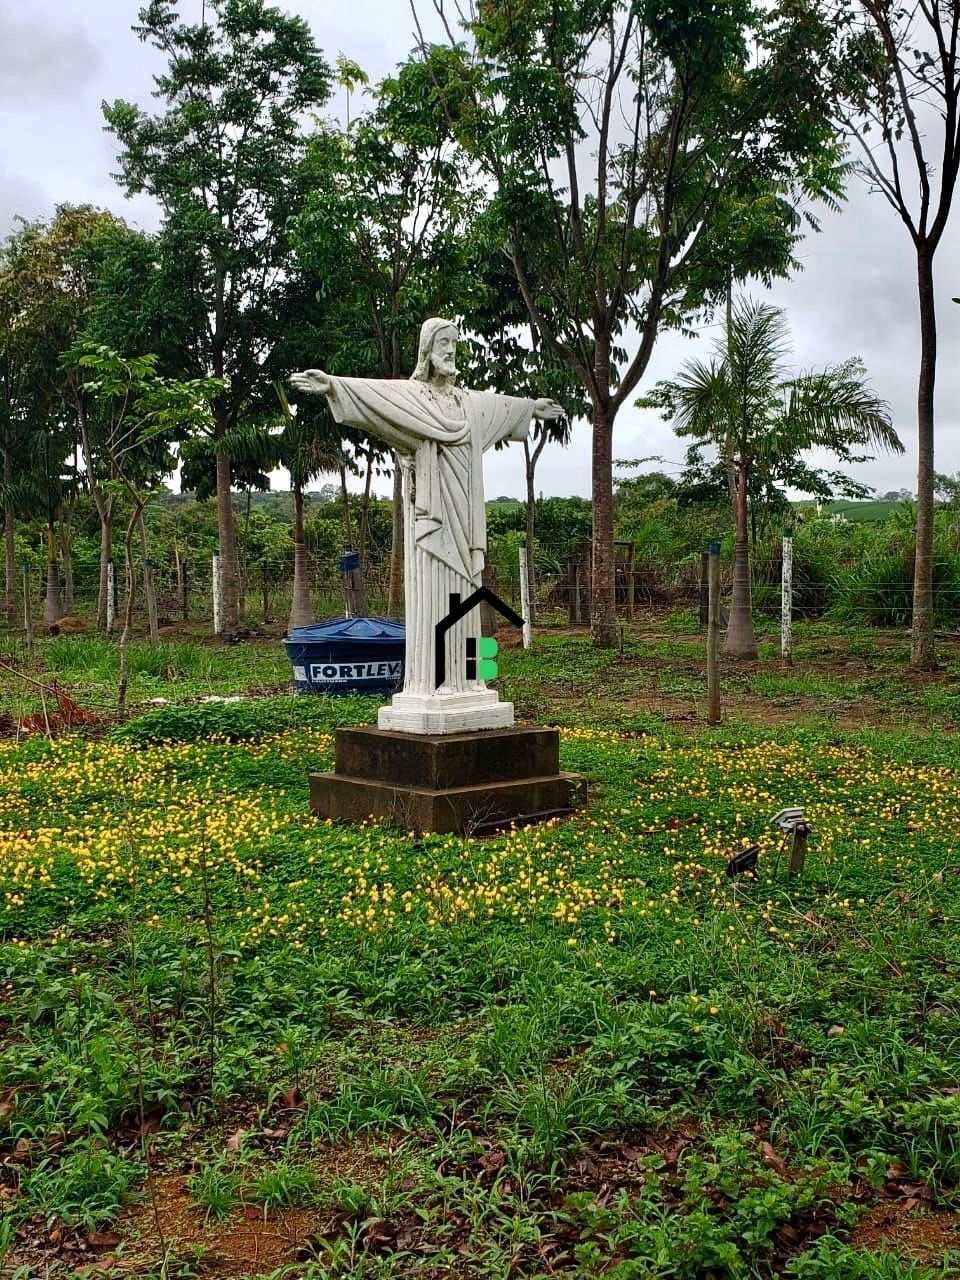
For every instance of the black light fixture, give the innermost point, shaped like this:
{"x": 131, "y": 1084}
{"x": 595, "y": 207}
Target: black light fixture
{"x": 744, "y": 861}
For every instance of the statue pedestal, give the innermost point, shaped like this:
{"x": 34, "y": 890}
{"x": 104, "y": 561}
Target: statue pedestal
{"x": 465, "y": 782}
{"x": 434, "y": 713}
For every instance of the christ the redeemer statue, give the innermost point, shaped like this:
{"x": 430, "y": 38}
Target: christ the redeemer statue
{"x": 439, "y": 432}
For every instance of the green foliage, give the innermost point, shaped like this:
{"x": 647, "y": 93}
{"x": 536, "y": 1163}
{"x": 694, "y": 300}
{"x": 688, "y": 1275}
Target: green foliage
{"x": 417, "y": 1032}
{"x": 878, "y": 587}
{"x": 241, "y": 721}
{"x": 216, "y": 1188}
{"x": 86, "y": 1187}
{"x": 760, "y": 420}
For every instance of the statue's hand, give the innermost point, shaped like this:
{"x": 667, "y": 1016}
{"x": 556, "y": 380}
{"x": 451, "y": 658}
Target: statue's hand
{"x": 546, "y": 410}
{"x": 312, "y": 382}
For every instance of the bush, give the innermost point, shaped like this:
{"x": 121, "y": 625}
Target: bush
{"x": 878, "y": 589}
{"x": 243, "y": 721}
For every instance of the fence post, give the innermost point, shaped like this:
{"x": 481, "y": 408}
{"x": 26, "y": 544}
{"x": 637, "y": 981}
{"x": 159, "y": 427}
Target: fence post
{"x": 488, "y": 619}
{"x": 27, "y": 615}
{"x": 713, "y": 635}
{"x": 786, "y": 598}
{"x": 217, "y": 597}
{"x": 704, "y": 588}
{"x": 184, "y": 589}
{"x": 525, "y": 596}
{"x": 631, "y": 586}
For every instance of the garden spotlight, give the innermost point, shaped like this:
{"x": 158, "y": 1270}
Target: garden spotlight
{"x": 745, "y": 860}
{"x": 795, "y": 828}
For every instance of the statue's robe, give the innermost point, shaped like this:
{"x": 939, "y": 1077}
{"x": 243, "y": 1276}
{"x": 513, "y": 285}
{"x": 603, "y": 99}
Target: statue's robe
{"x": 440, "y": 438}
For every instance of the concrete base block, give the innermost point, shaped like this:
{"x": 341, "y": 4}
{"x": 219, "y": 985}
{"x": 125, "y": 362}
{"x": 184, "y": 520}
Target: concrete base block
{"x": 461, "y": 782}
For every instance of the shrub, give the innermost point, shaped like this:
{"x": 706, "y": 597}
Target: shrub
{"x": 243, "y": 721}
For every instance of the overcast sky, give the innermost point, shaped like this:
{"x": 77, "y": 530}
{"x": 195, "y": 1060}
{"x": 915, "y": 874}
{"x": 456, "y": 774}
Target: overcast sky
{"x": 59, "y": 59}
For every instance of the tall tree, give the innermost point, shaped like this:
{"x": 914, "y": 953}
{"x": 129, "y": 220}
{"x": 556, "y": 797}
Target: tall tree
{"x": 141, "y": 413}
{"x": 310, "y": 444}
{"x": 507, "y": 355}
{"x": 760, "y": 420}
{"x": 396, "y": 195}
{"x": 131, "y": 309}
{"x": 899, "y": 75}
{"x": 226, "y": 161}
{"x": 637, "y": 154}
{"x": 46, "y": 295}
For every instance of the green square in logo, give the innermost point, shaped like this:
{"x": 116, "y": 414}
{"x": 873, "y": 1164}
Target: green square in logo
{"x": 486, "y": 669}
{"x": 487, "y": 647}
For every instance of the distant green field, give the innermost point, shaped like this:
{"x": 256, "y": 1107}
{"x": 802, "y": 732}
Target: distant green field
{"x": 856, "y": 512}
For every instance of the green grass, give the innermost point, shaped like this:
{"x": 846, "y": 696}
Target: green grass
{"x": 578, "y": 1049}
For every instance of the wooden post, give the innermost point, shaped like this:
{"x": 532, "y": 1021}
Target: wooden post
{"x": 713, "y": 636}
{"x": 354, "y": 594}
{"x": 27, "y": 612}
{"x": 786, "y": 598}
{"x": 704, "y": 588}
{"x": 217, "y": 598}
{"x": 798, "y": 848}
{"x": 265, "y": 588}
{"x": 631, "y": 554}
{"x": 184, "y": 589}
{"x": 488, "y": 619}
{"x": 525, "y": 597}
{"x": 111, "y": 595}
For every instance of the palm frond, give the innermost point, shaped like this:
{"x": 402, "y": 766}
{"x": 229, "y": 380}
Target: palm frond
{"x": 836, "y": 409}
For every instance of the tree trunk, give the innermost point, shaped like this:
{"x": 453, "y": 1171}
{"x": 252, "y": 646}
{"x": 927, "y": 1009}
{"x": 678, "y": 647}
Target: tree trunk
{"x": 922, "y": 654}
{"x": 127, "y": 611}
{"x": 396, "y": 543}
{"x": 530, "y": 469}
{"x": 228, "y": 545}
{"x": 52, "y": 605}
{"x": 105, "y": 512}
{"x": 9, "y": 545}
{"x": 66, "y": 555}
{"x": 603, "y": 605}
{"x": 301, "y": 609}
{"x": 365, "y": 510}
{"x": 243, "y": 571}
{"x": 149, "y": 588}
{"x": 741, "y": 641}
{"x": 345, "y": 504}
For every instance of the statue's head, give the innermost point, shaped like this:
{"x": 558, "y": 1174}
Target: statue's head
{"x": 437, "y": 356}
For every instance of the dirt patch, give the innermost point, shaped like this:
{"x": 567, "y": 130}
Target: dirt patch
{"x": 677, "y": 709}
{"x": 910, "y": 1231}
{"x": 252, "y": 1241}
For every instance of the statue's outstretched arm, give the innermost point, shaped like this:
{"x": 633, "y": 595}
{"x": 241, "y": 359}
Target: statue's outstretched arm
{"x": 311, "y": 382}
{"x": 546, "y": 410}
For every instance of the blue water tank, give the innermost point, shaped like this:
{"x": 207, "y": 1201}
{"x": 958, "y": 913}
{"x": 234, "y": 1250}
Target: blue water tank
{"x": 347, "y": 655}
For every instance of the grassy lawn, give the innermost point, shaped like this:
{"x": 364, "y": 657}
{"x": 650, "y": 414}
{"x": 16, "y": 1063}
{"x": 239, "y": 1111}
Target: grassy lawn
{"x": 238, "y": 1041}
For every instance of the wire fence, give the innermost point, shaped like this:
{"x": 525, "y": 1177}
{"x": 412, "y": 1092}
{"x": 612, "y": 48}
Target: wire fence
{"x": 184, "y": 592}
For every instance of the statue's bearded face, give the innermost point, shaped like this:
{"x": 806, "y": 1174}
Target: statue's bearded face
{"x": 443, "y": 354}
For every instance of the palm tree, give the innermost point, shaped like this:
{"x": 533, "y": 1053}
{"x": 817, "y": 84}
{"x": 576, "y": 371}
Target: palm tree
{"x": 745, "y": 404}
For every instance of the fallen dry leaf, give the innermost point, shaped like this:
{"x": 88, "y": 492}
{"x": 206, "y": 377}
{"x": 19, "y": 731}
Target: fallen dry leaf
{"x": 772, "y": 1160}
{"x": 100, "y": 1241}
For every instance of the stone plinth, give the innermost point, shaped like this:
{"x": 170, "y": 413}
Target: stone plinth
{"x": 462, "y": 782}
{"x": 448, "y": 713}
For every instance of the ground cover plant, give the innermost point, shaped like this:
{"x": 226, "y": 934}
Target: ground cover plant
{"x": 240, "y": 1041}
